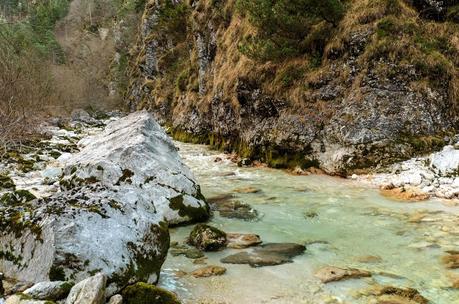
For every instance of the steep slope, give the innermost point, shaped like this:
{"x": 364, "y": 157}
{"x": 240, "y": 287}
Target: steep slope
{"x": 381, "y": 85}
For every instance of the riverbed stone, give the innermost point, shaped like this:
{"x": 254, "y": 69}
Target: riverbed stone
{"x": 397, "y": 295}
{"x": 247, "y": 190}
{"x": 241, "y": 240}
{"x": 121, "y": 191}
{"x": 88, "y": 291}
{"x": 404, "y": 193}
{"x": 214, "y": 201}
{"x": 331, "y": 274}
{"x": 237, "y": 210}
{"x": 49, "y": 290}
{"x": 287, "y": 249}
{"x": 209, "y": 271}
{"x": 142, "y": 293}
{"x": 207, "y": 238}
{"x": 369, "y": 259}
{"x": 268, "y": 255}
{"x": 451, "y": 261}
{"x": 189, "y": 252}
{"x": 258, "y": 259}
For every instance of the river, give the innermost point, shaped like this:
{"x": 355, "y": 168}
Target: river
{"x": 340, "y": 221}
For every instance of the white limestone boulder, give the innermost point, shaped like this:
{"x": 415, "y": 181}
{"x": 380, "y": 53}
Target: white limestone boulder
{"x": 118, "y": 196}
{"x": 445, "y": 162}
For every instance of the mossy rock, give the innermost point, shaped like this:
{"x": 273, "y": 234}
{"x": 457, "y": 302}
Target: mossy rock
{"x": 16, "y": 197}
{"x": 195, "y": 214}
{"x": 207, "y": 238}
{"x": 6, "y": 182}
{"x": 142, "y": 293}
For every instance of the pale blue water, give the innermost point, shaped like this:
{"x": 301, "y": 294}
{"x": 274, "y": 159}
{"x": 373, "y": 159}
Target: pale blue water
{"x": 353, "y": 220}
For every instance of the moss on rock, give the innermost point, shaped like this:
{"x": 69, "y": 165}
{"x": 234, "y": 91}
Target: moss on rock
{"x": 142, "y": 293}
{"x": 16, "y": 197}
{"x": 195, "y": 214}
{"x": 6, "y": 182}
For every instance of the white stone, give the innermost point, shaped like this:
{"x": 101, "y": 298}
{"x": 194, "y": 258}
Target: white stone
{"x": 52, "y": 173}
{"x": 116, "y": 299}
{"x": 48, "y": 290}
{"x": 16, "y": 299}
{"x": 88, "y": 291}
{"x": 445, "y": 161}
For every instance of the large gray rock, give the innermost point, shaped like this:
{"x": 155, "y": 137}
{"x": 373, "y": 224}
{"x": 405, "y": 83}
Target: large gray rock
{"x": 119, "y": 193}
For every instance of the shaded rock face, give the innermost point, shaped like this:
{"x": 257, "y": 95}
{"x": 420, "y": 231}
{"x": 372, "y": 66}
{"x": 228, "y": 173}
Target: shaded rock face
{"x": 433, "y": 9}
{"x": 119, "y": 194}
{"x": 353, "y": 117}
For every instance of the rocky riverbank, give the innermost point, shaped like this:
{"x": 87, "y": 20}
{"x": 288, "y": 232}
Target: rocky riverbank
{"x": 434, "y": 175}
{"x": 97, "y": 196}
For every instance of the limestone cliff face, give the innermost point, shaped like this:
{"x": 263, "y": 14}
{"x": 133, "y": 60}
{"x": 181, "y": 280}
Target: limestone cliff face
{"x": 384, "y": 89}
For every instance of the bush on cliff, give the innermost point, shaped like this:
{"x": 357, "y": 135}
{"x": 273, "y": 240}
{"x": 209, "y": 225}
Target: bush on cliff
{"x": 287, "y": 28}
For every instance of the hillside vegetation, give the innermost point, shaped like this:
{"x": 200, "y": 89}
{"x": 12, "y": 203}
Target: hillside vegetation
{"x": 343, "y": 85}
{"x": 58, "y": 55}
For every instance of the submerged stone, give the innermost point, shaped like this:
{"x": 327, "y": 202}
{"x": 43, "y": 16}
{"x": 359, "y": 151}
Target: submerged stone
{"x": 237, "y": 210}
{"x": 240, "y": 240}
{"x": 396, "y": 295}
{"x": 191, "y": 253}
{"x": 247, "y": 190}
{"x": 268, "y": 255}
{"x": 451, "y": 261}
{"x": 258, "y": 259}
{"x": 208, "y": 271}
{"x": 332, "y": 274}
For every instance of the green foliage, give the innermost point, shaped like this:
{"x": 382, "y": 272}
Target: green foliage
{"x": 288, "y": 76}
{"x": 125, "y": 7}
{"x": 283, "y": 26}
{"x": 453, "y": 14}
{"x": 172, "y": 18}
{"x": 36, "y": 33}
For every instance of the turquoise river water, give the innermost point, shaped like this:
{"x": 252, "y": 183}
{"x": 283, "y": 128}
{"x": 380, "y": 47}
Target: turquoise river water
{"x": 353, "y": 221}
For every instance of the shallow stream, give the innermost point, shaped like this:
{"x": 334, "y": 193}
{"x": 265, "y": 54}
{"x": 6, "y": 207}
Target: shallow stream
{"x": 340, "y": 221}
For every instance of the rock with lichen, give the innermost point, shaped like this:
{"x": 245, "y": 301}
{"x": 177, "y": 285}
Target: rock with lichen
{"x": 142, "y": 293}
{"x": 51, "y": 291}
{"x": 118, "y": 195}
{"x": 207, "y": 238}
